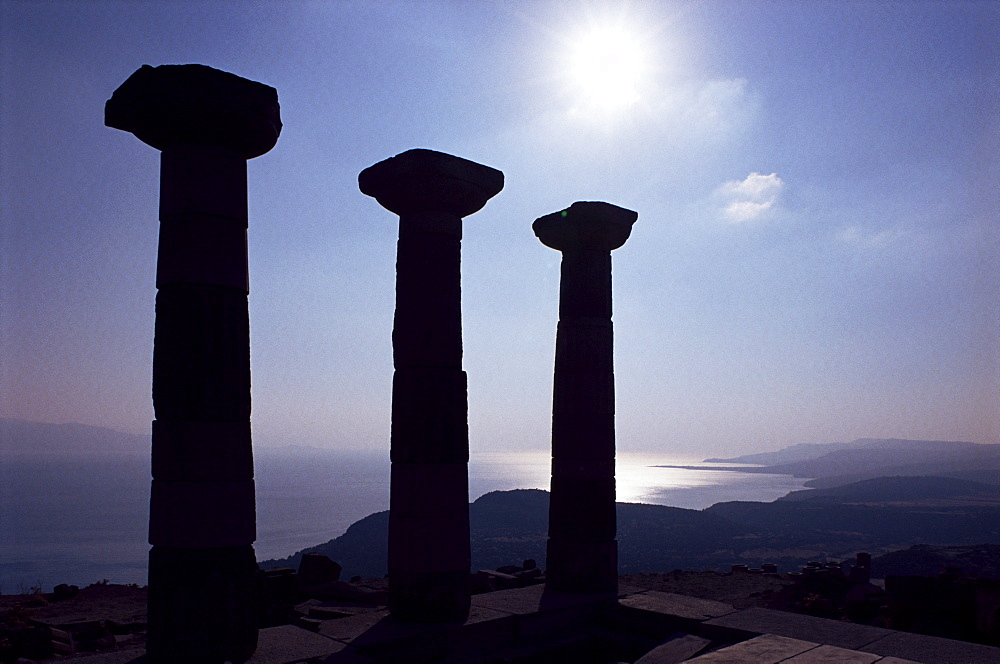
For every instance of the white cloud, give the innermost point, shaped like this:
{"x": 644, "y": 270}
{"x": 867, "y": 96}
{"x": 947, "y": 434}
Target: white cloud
{"x": 751, "y": 198}
{"x": 867, "y": 239}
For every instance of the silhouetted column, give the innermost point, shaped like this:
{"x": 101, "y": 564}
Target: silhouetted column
{"x": 202, "y": 521}
{"x": 429, "y": 554}
{"x": 582, "y": 551}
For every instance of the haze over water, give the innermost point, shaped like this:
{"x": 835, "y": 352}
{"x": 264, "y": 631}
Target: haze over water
{"x": 80, "y": 521}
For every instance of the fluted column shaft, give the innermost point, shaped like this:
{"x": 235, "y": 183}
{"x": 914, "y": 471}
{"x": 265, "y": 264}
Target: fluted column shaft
{"x": 202, "y": 567}
{"x": 582, "y": 553}
{"x": 429, "y": 552}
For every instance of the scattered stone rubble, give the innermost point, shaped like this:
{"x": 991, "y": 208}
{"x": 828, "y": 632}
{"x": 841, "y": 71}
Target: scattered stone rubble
{"x": 314, "y": 600}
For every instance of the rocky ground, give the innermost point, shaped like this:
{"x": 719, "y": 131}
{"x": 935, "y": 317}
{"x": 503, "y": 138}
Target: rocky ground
{"x": 125, "y": 604}
{"x": 741, "y": 590}
{"x": 102, "y": 601}
{"x": 120, "y": 610}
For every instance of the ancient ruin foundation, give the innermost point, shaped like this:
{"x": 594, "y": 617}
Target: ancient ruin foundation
{"x": 582, "y": 553}
{"x": 202, "y": 524}
{"x": 429, "y": 554}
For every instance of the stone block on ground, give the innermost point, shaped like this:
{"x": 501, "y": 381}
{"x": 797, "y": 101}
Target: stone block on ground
{"x": 832, "y": 655}
{"x": 764, "y": 649}
{"x": 932, "y": 649}
{"x": 347, "y": 592}
{"x": 682, "y": 606}
{"x": 808, "y": 628}
{"x": 315, "y": 568}
{"x": 288, "y": 644}
{"x": 680, "y": 648}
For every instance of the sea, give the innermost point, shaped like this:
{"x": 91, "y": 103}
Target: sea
{"x": 84, "y": 520}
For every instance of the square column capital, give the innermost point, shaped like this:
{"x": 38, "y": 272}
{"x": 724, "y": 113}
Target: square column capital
{"x": 173, "y": 105}
{"x": 586, "y": 225}
{"x": 420, "y": 181}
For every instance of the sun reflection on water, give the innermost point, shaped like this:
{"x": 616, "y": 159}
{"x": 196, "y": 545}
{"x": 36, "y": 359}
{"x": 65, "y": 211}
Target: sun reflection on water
{"x": 640, "y": 478}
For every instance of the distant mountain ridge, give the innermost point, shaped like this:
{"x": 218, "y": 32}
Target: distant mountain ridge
{"x": 21, "y": 437}
{"x": 901, "y": 489}
{"x": 878, "y": 515}
{"x": 835, "y": 464}
{"x": 808, "y": 451}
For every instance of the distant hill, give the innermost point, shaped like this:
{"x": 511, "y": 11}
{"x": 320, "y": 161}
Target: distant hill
{"x": 799, "y": 452}
{"x": 508, "y": 526}
{"x": 982, "y": 560}
{"x": 21, "y": 437}
{"x": 901, "y": 489}
{"x": 842, "y": 463}
{"x": 807, "y": 451}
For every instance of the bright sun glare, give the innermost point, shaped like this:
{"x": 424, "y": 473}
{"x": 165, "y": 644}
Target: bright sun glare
{"x": 605, "y": 66}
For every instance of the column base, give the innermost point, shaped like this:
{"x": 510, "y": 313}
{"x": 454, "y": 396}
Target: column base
{"x": 429, "y": 597}
{"x": 202, "y": 606}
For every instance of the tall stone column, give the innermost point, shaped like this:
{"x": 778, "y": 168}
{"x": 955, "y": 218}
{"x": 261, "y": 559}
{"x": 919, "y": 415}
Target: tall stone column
{"x": 582, "y": 553}
{"x": 202, "y": 521}
{"x": 429, "y": 555}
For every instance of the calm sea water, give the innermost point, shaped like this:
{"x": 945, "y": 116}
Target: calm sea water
{"x": 83, "y": 520}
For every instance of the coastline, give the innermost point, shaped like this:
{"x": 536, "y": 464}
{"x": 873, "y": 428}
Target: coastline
{"x": 54, "y": 536}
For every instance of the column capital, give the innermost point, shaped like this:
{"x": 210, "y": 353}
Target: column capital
{"x": 586, "y": 225}
{"x": 421, "y": 180}
{"x": 195, "y": 105}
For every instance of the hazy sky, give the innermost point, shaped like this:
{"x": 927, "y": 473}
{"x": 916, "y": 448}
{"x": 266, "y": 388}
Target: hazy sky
{"x": 815, "y": 258}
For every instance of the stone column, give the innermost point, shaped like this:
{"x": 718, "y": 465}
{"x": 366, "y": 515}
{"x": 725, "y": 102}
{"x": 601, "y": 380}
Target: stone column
{"x": 582, "y": 554}
{"x": 429, "y": 555}
{"x": 202, "y": 522}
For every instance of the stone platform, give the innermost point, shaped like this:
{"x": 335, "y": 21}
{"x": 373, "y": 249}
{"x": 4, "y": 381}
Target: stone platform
{"x": 533, "y": 626}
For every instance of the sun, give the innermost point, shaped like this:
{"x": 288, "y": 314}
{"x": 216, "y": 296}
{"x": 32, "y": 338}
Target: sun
{"x": 605, "y": 66}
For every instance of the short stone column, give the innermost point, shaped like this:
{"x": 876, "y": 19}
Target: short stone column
{"x": 202, "y": 522}
{"x": 429, "y": 554}
{"x": 582, "y": 553}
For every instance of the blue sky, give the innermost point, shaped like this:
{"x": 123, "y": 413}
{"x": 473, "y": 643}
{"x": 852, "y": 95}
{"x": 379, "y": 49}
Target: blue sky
{"x": 814, "y": 260}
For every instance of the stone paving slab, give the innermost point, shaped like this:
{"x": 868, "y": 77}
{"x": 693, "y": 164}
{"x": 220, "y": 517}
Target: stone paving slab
{"x": 807, "y": 628}
{"x": 379, "y": 626}
{"x": 348, "y": 629}
{"x": 326, "y": 609}
{"x": 673, "y": 604}
{"x": 348, "y": 656}
{"x": 932, "y": 649}
{"x": 624, "y": 590}
{"x": 675, "y": 650}
{"x": 534, "y": 599}
{"x": 134, "y": 656}
{"x": 288, "y": 644}
{"x": 764, "y": 649}
{"x": 832, "y": 655}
